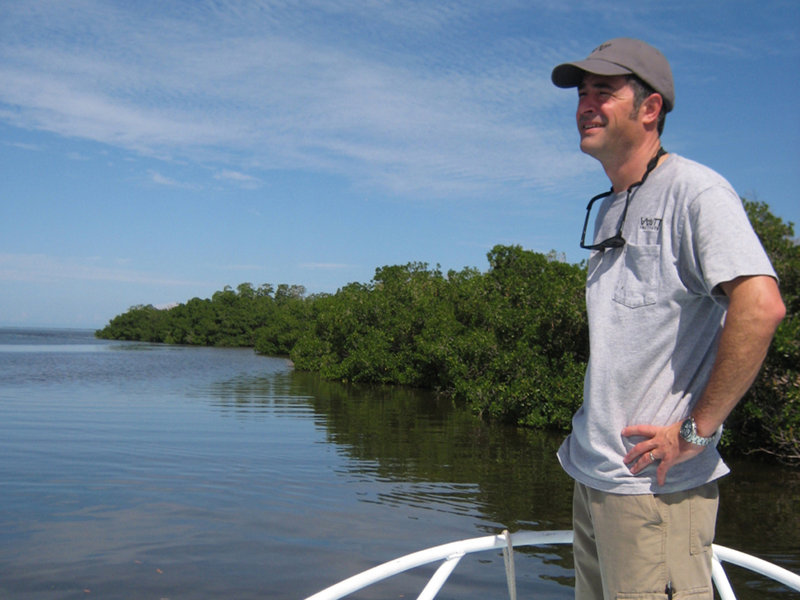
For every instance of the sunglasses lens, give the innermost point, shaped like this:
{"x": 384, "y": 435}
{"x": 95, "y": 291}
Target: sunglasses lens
{"x": 591, "y": 224}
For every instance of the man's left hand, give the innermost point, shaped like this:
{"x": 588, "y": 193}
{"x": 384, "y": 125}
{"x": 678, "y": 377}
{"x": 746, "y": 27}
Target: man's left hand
{"x": 663, "y": 445}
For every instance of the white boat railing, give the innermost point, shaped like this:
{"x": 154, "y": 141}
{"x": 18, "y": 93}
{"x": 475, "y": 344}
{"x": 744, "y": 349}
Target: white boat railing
{"x": 453, "y": 552}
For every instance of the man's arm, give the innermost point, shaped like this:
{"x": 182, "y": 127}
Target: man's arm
{"x": 754, "y": 312}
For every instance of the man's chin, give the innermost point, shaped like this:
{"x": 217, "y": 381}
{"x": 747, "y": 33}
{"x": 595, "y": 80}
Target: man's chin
{"x": 590, "y": 146}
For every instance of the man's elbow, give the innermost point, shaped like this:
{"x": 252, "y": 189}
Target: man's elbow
{"x": 771, "y": 308}
{"x": 758, "y": 300}
{"x": 776, "y": 311}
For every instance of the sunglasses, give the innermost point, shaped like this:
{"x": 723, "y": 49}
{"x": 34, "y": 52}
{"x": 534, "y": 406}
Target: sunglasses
{"x": 616, "y": 241}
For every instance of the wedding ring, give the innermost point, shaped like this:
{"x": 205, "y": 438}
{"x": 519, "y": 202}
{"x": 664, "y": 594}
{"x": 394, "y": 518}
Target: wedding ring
{"x": 652, "y": 458}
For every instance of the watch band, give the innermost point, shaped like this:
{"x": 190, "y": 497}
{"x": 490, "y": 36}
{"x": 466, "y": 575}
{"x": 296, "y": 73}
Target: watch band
{"x": 689, "y": 433}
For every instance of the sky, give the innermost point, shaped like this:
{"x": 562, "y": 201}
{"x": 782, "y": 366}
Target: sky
{"x": 156, "y": 151}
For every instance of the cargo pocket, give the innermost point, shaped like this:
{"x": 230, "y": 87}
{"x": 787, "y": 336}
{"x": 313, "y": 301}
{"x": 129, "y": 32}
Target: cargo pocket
{"x": 703, "y": 518}
{"x": 638, "y": 282}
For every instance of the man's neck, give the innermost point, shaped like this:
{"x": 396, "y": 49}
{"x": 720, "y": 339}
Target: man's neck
{"x": 629, "y": 169}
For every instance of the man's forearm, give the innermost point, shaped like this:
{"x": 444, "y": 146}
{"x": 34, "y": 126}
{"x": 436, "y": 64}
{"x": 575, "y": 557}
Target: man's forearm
{"x": 754, "y": 312}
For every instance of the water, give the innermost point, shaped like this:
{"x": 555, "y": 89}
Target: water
{"x": 132, "y": 470}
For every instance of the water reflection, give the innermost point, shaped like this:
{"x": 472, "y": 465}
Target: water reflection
{"x": 511, "y": 476}
{"x": 272, "y": 394}
{"x": 141, "y": 470}
{"x": 408, "y": 452}
{"x": 430, "y": 456}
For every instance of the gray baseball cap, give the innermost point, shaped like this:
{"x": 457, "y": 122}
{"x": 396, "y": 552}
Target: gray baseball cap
{"x": 622, "y": 56}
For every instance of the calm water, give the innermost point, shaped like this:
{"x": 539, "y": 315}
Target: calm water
{"x": 132, "y": 470}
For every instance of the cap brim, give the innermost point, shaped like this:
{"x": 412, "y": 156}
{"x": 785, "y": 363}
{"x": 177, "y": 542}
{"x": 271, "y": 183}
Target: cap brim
{"x": 571, "y": 74}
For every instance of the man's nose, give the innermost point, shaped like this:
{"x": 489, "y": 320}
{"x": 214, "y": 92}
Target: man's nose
{"x": 586, "y": 104}
{"x": 585, "y": 108}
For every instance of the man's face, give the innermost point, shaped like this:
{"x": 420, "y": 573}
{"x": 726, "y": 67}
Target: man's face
{"x": 606, "y": 119}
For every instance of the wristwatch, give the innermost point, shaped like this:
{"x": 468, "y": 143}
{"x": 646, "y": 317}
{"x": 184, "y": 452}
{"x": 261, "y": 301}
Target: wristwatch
{"x": 689, "y": 433}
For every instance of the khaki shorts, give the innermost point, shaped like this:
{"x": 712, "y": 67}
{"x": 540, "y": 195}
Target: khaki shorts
{"x": 631, "y": 547}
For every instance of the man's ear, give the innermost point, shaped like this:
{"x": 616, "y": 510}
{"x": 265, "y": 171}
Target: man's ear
{"x": 651, "y": 108}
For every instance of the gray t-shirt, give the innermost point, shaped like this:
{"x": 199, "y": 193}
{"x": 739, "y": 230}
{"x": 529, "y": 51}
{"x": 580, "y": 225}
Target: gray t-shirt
{"x": 655, "y": 313}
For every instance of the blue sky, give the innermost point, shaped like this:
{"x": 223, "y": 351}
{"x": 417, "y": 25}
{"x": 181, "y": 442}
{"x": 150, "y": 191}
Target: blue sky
{"x": 155, "y": 151}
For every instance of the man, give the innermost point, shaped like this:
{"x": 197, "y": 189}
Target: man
{"x": 682, "y": 304}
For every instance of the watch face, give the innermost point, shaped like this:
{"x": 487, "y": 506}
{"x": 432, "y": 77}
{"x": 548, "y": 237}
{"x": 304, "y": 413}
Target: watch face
{"x": 686, "y": 429}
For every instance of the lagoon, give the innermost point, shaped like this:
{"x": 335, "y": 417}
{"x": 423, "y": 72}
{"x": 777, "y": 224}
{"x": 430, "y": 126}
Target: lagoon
{"x": 133, "y": 470}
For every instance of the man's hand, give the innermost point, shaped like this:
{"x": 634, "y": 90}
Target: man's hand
{"x": 663, "y": 445}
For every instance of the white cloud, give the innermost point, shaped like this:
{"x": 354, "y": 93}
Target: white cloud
{"x": 24, "y": 146}
{"x": 238, "y": 267}
{"x": 325, "y": 266}
{"x": 242, "y": 179}
{"x": 159, "y": 179}
{"x": 290, "y": 89}
{"x": 410, "y": 97}
{"x": 41, "y": 268}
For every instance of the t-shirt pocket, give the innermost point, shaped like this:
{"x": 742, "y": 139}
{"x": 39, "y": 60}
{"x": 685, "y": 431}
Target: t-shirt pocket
{"x": 638, "y": 282}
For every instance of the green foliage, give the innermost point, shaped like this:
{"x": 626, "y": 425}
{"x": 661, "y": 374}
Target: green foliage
{"x": 141, "y": 322}
{"x": 267, "y": 319}
{"x": 510, "y": 343}
{"x": 535, "y": 340}
{"x": 380, "y": 332}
